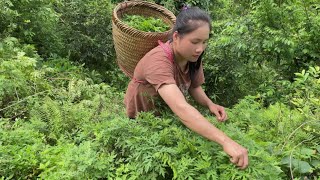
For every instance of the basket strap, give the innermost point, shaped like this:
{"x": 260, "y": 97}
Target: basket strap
{"x": 167, "y": 50}
{"x": 139, "y": 81}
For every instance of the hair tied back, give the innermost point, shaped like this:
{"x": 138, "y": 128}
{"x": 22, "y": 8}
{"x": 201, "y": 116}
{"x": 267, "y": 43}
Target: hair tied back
{"x": 185, "y": 7}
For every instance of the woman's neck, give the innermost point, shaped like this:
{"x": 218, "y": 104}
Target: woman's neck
{"x": 182, "y": 63}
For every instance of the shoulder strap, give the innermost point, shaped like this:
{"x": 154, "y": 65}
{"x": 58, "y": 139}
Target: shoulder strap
{"x": 167, "y": 50}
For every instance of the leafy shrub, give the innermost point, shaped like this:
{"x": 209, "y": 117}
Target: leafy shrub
{"x": 20, "y": 77}
{"x": 283, "y": 132}
{"x": 20, "y": 148}
{"x": 77, "y": 30}
{"x": 302, "y": 93}
{"x": 293, "y": 127}
{"x": 7, "y": 16}
{"x": 40, "y": 27}
{"x": 86, "y": 28}
{"x": 258, "y": 40}
{"x": 25, "y": 76}
{"x": 42, "y": 136}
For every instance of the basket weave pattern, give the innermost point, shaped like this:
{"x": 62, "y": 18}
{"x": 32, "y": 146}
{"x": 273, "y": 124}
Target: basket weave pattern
{"x": 132, "y": 44}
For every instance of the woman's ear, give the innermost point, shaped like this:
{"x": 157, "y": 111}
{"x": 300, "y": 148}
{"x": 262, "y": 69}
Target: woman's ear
{"x": 175, "y": 36}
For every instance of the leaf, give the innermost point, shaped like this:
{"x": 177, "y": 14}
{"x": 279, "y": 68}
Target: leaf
{"x": 318, "y": 149}
{"x": 307, "y": 151}
{"x": 315, "y": 163}
{"x": 286, "y": 160}
{"x": 44, "y": 166}
{"x": 302, "y": 166}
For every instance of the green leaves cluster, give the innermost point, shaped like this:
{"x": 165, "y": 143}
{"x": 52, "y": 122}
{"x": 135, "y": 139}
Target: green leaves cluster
{"x": 288, "y": 134}
{"x": 146, "y": 24}
{"x": 40, "y": 27}
{"x": 77, "y": 30}
{"x": 24, "y": 76}
{"x": 19, "y": 76}
{"x": 256, "y": 42}
{"x": 86, "y": 31}
{"x": 290, "y": 131}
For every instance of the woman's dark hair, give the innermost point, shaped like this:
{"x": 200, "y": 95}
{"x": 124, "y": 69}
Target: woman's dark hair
{"x": 186, "y": 22}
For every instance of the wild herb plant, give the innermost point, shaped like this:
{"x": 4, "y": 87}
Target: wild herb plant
{"x": 146, "y": 24}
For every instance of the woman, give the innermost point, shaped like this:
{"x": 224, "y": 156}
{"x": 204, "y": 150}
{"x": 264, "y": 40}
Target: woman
{"x": 174, "y": 68}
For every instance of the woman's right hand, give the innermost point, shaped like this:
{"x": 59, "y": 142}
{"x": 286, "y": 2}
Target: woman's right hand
{"x": 239, "y": 154}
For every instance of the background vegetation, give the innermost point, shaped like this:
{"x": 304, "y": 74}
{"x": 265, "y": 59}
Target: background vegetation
{"x": 61, "y": 93}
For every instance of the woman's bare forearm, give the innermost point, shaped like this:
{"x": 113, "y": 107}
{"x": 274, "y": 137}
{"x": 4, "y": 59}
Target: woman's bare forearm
{"x": 200, "y": 96}
{"x": 192, "y": 118}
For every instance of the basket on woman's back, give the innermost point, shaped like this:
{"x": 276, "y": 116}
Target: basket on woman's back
{"x": 132, "y": 44}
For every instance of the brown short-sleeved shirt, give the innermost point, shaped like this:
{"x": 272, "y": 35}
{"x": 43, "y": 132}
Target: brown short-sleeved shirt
{"x": 152, "y": 71}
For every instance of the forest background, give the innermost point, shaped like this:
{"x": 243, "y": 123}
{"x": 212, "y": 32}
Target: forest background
{"x": 61, "y": 93}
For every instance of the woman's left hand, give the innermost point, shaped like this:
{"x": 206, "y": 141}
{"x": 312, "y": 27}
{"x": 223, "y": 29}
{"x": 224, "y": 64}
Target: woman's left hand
{"x": 218, "y": 111}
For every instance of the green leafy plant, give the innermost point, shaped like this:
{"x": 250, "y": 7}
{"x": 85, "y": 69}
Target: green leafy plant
{"x": 147, "y": 24}
{"x": 257, "y": 42}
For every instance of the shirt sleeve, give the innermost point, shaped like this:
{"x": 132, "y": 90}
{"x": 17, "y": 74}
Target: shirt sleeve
{"x": 199, "y": 78}
{"x": 158, "y": 71}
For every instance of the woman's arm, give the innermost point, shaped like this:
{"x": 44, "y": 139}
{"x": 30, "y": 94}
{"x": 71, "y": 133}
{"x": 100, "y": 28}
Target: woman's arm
{"x": 196, "y": 122}
{"x": 200, "y": 96}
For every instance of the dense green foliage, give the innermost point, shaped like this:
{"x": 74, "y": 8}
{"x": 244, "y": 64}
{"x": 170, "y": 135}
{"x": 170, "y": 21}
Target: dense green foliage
{"x": 60, "y": 119}
{"x": 146, "y": 24}
{"x": 79, "y": 29}
{"x": 256, "y": 43}
{"x": 56, "y": 123}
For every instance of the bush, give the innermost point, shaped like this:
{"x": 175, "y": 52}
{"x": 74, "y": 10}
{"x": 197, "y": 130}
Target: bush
{"x": 24, "y": 76}
{"x": 78, "y": 30}
{"x": 40, "y": 27}
{"x": 20, "y": 77}
{"x": 86, "y": 28}
{"x": 259, "y": 40}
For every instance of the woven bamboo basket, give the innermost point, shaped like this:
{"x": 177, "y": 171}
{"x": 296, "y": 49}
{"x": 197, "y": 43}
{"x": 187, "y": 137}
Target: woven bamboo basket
{"x": 131, "y": 44}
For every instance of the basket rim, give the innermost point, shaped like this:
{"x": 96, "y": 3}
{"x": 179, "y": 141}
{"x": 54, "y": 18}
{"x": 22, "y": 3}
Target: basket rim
{"x": 127, "y": 4}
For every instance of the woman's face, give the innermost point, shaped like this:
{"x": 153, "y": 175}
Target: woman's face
{"x": 190, "y": 46}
